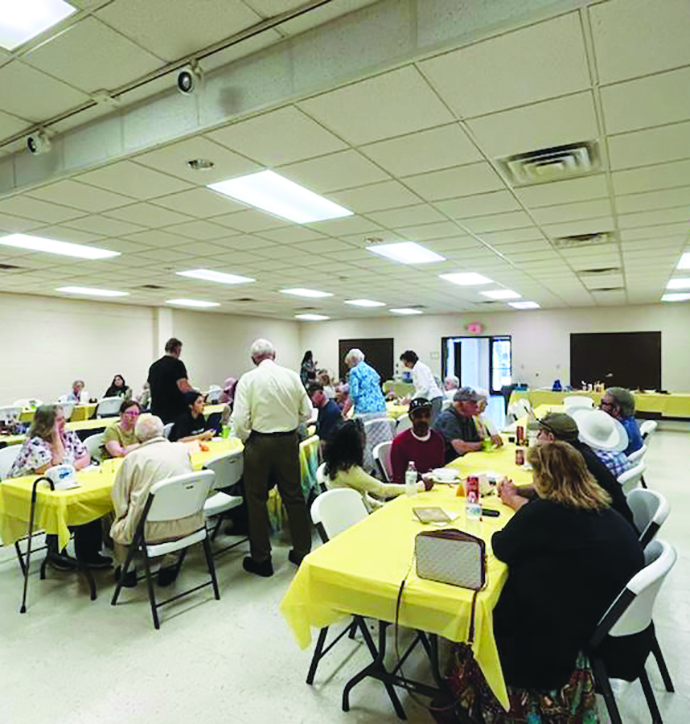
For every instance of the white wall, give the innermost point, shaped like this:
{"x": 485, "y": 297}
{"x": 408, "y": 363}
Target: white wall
{"x": 541, "y": 338}
{"x": 48, "y": 342}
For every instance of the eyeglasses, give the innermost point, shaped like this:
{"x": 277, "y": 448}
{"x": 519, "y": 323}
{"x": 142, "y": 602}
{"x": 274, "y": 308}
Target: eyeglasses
{"x": 131, "y": 413}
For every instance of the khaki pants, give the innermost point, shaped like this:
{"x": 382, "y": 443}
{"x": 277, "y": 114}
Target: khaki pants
{"x": 274, "y": 458}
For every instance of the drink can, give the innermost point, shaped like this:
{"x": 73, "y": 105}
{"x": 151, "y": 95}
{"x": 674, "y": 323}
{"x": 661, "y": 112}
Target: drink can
{"x": 519, "y": 435}
{"x": 519, "y": 457}
{"x": 472, "y": 489}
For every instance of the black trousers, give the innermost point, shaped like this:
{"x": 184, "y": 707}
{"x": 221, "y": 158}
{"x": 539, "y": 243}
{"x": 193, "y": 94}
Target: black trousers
{"x": 88, "y": 539}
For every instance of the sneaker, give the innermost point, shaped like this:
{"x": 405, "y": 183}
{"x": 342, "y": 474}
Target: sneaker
{"x": 264, "y": 568}
{"x": 130, "y": 579}
{"x": 166, "y": 576}
{"x": 295, "y": 558}
{"x": 99, "y": 561}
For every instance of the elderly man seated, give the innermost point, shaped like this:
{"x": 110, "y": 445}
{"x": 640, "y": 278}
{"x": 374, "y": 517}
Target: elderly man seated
{"x": 620, "y": 404}
{"x": 154, "y": 460}
{"x": 457, "y": 426}
{"x": 450, "y": 386}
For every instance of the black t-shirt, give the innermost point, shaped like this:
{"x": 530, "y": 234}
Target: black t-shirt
{"x": 186, "y": 425}
{"x": 329, "y": 418}
{"x": 166, "y": 399}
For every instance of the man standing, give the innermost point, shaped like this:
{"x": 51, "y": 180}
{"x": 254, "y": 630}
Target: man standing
{"x": 424, "y": 383}
{"x": 329, "y": 413}
{"x": 270, "y": 403}
{"x": 168, "y": 383}
{"x": 456, "y": 424}
{"x": 620, "y": 404}
{"x": 421, "y": 445}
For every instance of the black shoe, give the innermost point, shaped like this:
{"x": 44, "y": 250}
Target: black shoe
{"x": 265, "y": 568}
{"x": 99, "y": 561}
{"x": 294, "y": 557}
{"x": 61, "y": 563}
{"x": 130, "y": 579}
{"x": 166, "y": 576}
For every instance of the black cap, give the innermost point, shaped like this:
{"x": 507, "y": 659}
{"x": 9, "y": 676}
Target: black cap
{"x": 419, "y": 403}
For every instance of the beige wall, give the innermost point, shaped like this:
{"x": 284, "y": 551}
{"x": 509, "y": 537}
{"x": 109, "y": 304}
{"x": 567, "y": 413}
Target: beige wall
{"x": 541, "y": 338}
{"x": 48, "y": 342}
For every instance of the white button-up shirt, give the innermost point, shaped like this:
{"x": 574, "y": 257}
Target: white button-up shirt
{"x": 424, "y": 382}
{"x": 268, "y": 399}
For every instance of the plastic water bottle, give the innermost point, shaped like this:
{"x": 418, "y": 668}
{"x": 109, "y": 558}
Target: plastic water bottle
{"x": 411, "y": 480}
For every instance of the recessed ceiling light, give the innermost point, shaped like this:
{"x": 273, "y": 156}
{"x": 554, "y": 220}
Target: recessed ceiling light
{"x": 466, "y": 279}
{"x": 198, "y": 303}
{"x": 524, "y": 305}
{"x": 208, "y": 275}
{"x": 683, "y": 283}
{"x": 311, "y": 317}
{"x": 406, "y": 252}
{"x": 404, "y": 311}
{"x": 306, "y": 293}
{"x": 271, "y": 192}
{"x": 88, "y": 291}
{"x": 682, "y": 297}
{"x": 501, "y": 294}
{"x": 24, "y": 19}
{"x": 51, "y": 246}
{"x": 684, "y": 262}
{"x": 364, "y": 303}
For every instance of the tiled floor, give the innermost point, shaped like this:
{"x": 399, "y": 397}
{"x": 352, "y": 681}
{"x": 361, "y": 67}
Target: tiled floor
{"x": 235, "y": 661}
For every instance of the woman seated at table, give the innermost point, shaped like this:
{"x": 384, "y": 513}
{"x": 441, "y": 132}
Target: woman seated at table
{"x": 119, "y": 439}
{"x": 118, "y": 388}
{"x": 569, "y": 555}
{"x": 191, "y": 425}
{"x": 344, "y": 457}
{"x": 49, "y": 443}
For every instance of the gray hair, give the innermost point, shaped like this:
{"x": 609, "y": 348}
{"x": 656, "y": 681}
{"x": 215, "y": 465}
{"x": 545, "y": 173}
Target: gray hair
{"x": 354, "y": 355}
{"x": 483, "y": 394}
{"x": 454, "y": 379}
{"x": 624, "y": 399}
{"x": 262, "y": 349}
{"x": 148, "y": 427}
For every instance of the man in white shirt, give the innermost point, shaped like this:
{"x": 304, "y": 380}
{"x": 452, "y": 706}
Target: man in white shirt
{"x": 270, "y": 403}
{"x": 424, "y": 383}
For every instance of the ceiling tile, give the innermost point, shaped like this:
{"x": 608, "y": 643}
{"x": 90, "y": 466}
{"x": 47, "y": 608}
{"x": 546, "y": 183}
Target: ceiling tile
{"x": 104, "y": 226}
{"x": 542, "y": 125}
{"x": 173, "y": 160}
{"x": 376, "y": 197}
{"x": 347, "y": 225}
{"x": 323, "y": 245}
{"x": 424, "y": 151}
{"x": 249, "y": 221}
{"x": 571, "y": 212}
{"x": 80, "y": 196}
{"x": 17, "y": 225}
{"x": 337, "y": 171}
{"x": 459, "y": 181}
{"x": 514, "y": 236}
{"x": 653, "y": 200}
{"x": 317, "y": 16}
{"x": 422, "y": 232}
{"x": 584, "y": 226}
{"x": 650, "y": 178}
{"x": 494, "y": 202}
{"x": 621, "y": 28}
{"x": 10, "y": 125}
{"x": 240, "y": 50}
{"x": 498, "y": 222}
{"x": 156, "y": 238}
{"x": 199, "y": 229}
{"x": 37, "y": 210}
{"x": 64, "y": 233}
{"x": 91, "y": 56}
{"x": 395, "y": 218}
{"x": 665, "y": 230}
{"x": 653, "y": 218}
{"x": 387, "y": 105}
{"x": 652, "y": 146}
{"x": 129, "y": 178}
{"x": 292, "y": 234}
{"x": 490, "y": 75}
{"x": 564, "y": 192}
{"x": 202, "y": 203}
{"x": 147, "y": 215}
{"x": 283, "y": 136}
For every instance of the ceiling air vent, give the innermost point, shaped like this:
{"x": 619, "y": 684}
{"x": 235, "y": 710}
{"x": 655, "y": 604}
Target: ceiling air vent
{"x": 552, "y": 164}
{"x": 9, "y": 267}
{"x": 599, "y": 270}
{"x": 150, "y": 286}
{"x": 243, "y": 299}
{"x": 578, "y": 240}
{"x": 608, "y": 289}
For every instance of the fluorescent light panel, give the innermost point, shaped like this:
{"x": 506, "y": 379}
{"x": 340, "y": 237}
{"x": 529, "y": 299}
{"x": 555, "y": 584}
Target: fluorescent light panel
{"x": 313, "y": 293}
{"x": 51, "y": 246}
{"x": 208, "y": 275}
{"x": 466, "y": 279}
{"x": 312, "y": 317}
{"x": 90, "y": 292}
{"x": 197, "y": 303}
{"x": 407, "y": 252}
{"x": 271, "y": 192}
{"x": 21, "y": 20}
{"x": 405, "y": 311}
{"x": 364, "y": 303}
{"x": 524, "y": 305}
{"x": 682, "y": 297}
{"x": 684, "y": 262}
{"x": 683, "y": 283}
{"x": 501, "y": 294}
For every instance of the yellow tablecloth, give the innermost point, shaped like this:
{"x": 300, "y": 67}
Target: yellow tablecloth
{"x": 360, "y": 572}
{"x": 395, "y": 411}
{"x": 500, "y": 460}
{"x": 56, "y": 510}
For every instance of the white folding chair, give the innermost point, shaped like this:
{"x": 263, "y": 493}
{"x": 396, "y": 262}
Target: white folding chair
{"x": 321, "y": 477}
{"x": 447, "y": 402}
{"x": 650, "y": 510}
{"x": 382, "y": 455}
{"x": 93, "y": 445}
{"x": 636, "y": 457}
{"x": 578, "y": 401}
{"x": 648, "y": 428}
{"x": 7, "y": 457}
{"x": 27, "y": 403}
{"x": 10, "y": 414}
{"x": 67, "y": 409}
{"x": 630, "y": 479}
{"x": 402, "y": 424}
{"x": 516, "y": 410}
{"x": 333, "y": 512}
{"x": 630, "y": 614}
{"x": 213, "y": 395}
{"x": 172, "y": 499}
{"x": 108, "y": 406}
{"x": 167, "y": 428}
{"x": 228, "y": 469}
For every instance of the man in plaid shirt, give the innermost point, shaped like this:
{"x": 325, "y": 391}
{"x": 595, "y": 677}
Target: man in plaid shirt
{"x": 617, "y": 462}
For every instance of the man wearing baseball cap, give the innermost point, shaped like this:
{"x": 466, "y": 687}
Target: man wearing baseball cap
{"x": 420, "y": 444}
{"x": 457, "y": 426}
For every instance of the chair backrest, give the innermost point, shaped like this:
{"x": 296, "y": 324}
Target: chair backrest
{"x": 447, "y": 402}
{"x": 62, "y": 398}
{"x": 167, "y": 428}
{"x": 648, "y": 428}
{"x": 650, "y": 510}
{"x": 213, "y": 395}
{"x": 10, "y": 413}
{"x": 27, "y": 403}
{"x": 578, "y": 401}
{"x": 93, "y": 445}
{"x": 382, "y": 455}
{"x": 337, "y": 510}
{"x": 179, "y": 496}
{"x": 630, "y": 479}
{"x": 637, "y": 456}
{"x": 7, "y": 457}
{"x": 228, "y": 468}
{"x": 67, "y": 409}
{"x": 321, "y": 477}
{"x": 108, "y": 406}
{"x": 519, "y": 408}
{"x": 402, "y": 424}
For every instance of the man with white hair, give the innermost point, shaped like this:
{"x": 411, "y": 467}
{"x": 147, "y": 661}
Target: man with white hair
{"x": 450, "y": 386}
{"x": 364, "y": 384}
{"x": 270, "y": 404}
{"x": 154, "y": 460}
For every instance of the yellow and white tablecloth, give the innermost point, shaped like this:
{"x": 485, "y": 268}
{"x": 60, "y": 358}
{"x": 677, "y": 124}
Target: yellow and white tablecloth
{"x": 395, "y": 410}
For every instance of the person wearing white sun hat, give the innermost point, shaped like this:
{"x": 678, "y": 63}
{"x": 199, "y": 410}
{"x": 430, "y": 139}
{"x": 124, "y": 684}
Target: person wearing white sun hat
{"x": 606, "y": 436}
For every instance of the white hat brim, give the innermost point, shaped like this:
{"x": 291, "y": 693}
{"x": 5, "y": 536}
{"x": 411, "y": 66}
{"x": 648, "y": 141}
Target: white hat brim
{"x": 616, "y": 441}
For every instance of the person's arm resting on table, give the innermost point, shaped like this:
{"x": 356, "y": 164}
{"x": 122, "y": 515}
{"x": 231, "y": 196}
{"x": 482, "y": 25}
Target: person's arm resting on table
{"x": 461, "y": 447}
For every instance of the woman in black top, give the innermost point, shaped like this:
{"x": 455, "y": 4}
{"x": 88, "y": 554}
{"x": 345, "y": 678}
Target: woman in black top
{"x": 569, "y": 555}
{"x": 118, "y": 388}
{"x": 191, "y": 425}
